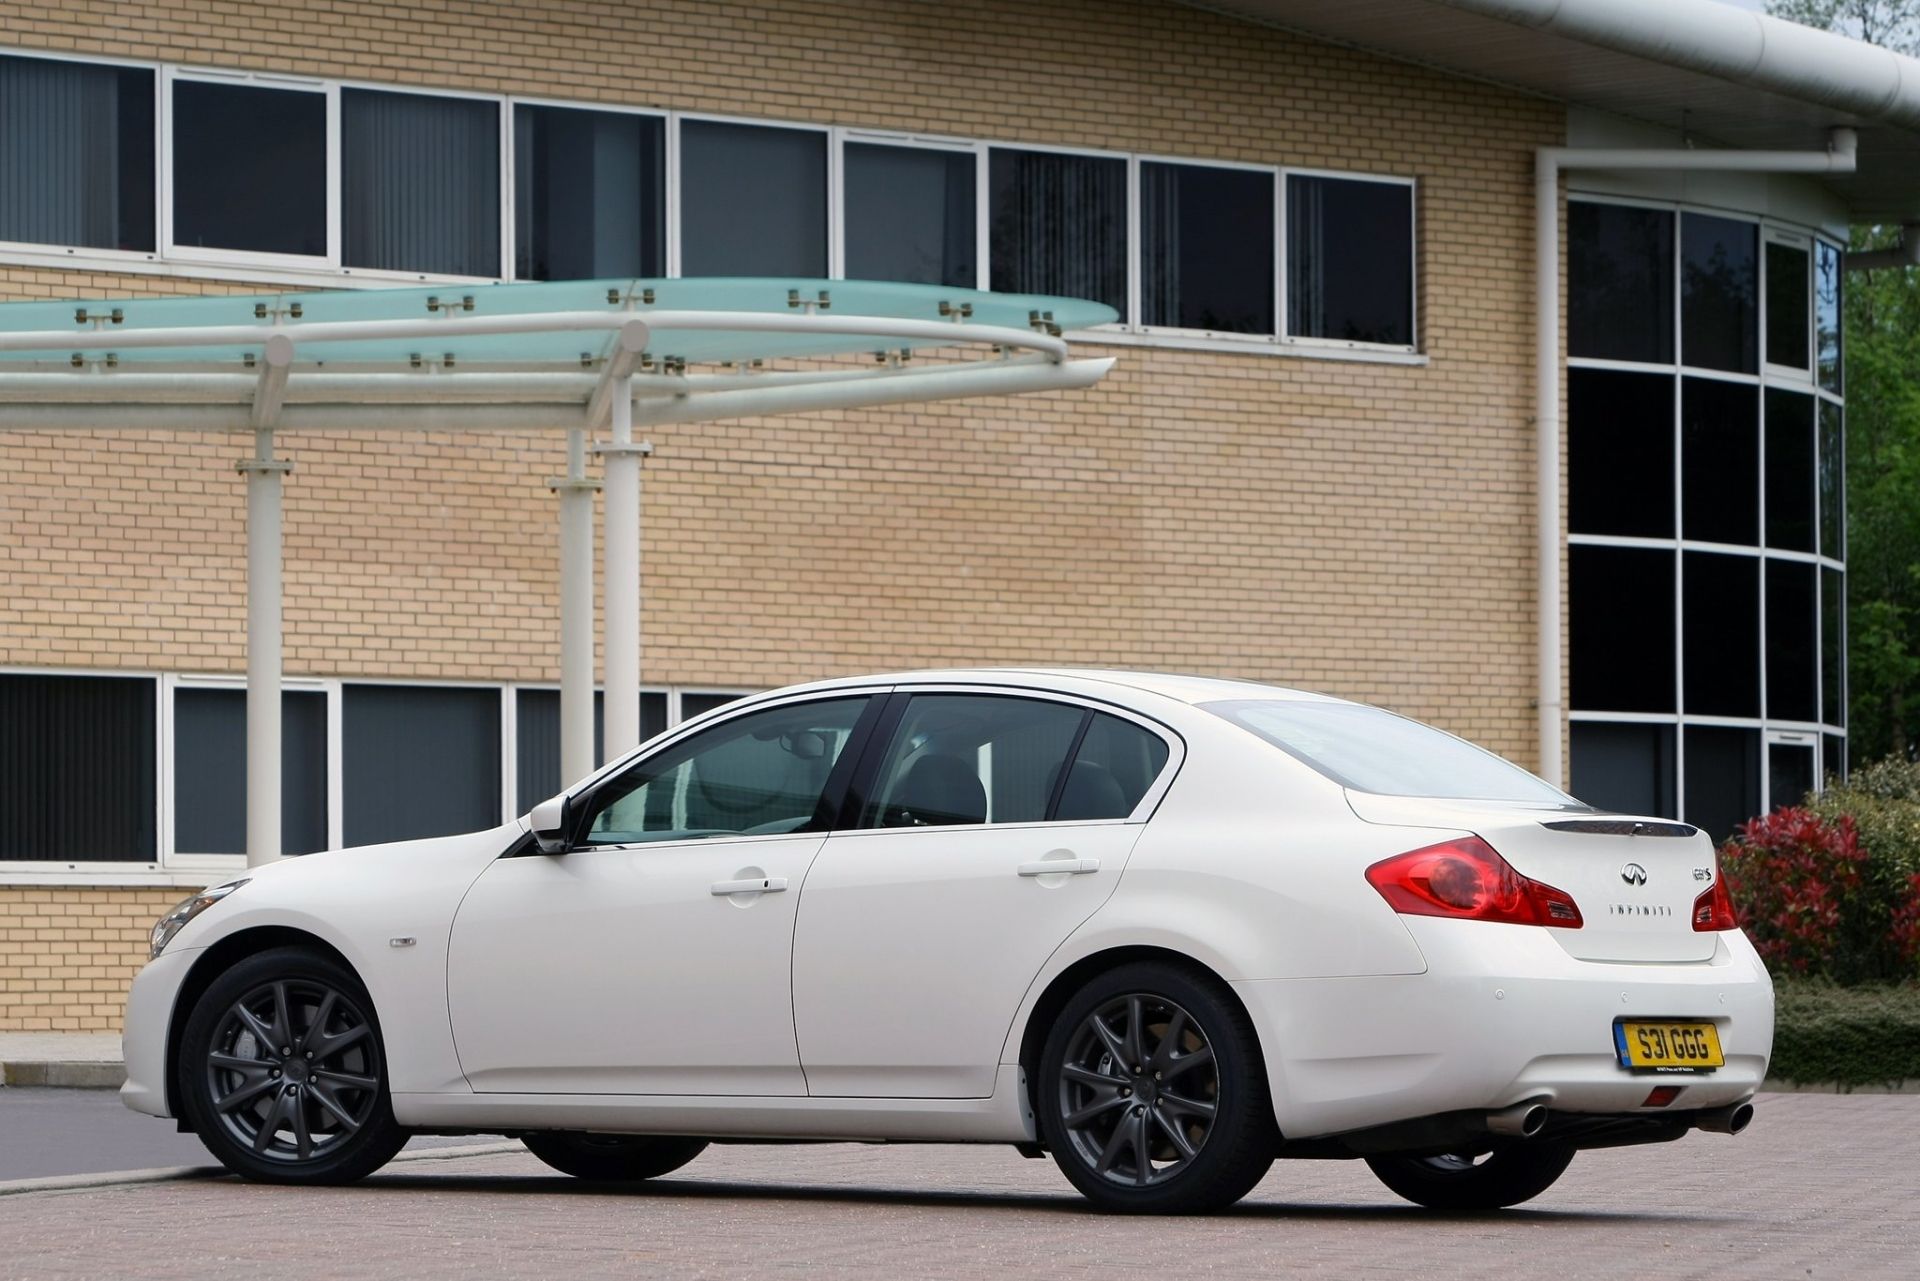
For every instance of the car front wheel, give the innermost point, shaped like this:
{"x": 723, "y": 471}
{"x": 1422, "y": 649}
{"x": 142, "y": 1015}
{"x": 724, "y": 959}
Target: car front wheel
{"x": 1471, "y": 1181}
{"x": 282, "y": 1073}
{"x": 1153, "y": 1097}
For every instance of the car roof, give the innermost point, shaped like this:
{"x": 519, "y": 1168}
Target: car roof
{"x": 1180, "y": 687}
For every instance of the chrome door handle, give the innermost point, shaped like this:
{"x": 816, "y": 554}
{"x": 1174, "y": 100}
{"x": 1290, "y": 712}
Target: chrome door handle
{"x": 752, "y": 885}
{"x": 1056, "y": 866}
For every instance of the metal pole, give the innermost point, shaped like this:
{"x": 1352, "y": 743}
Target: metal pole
{"x": 621, "y": 544}
{"x": 263, "y": 474}
{"x": 576, "y": 614}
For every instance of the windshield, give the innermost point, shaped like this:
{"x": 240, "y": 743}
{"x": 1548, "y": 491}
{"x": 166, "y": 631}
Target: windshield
{"x": 1370, "y": 750}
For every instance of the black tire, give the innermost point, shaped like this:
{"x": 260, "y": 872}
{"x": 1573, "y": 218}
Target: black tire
{"x": 1474, "y": 1182}
{"x": 1113, "y": 1131}
{"x": 282, "y": 1072}
{"x": 613, "y": 1158}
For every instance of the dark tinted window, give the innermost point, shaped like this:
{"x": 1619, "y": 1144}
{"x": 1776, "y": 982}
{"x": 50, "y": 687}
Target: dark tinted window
{"x": 210, "y": 771}
{"x": 76, "y": 154}
{"x": 910, "y": 214}
{"x": 1625, "y": 768}
{"x": 1206, "y": 248}
{"x": 420, "y": 183}
{"x": 753, "y": 200}
{"x": 1833, "y": 647}
{"x": 1827, "y": 285}
{"x": 1116, "y": 764}
{"x": 1719, "y": 293}
{"x": 1788, "y": 305}
{"x": 1620, "y": 611}
{"x": 1719, "y": 461}
{"x": 419, "y": 761}
{"x": 1833, "y": 475}
{"x": 692, "y": 704}
{"x": 589, "y": 192}
{"x": 758, "y": 774}
{"x": 1619, "y": 453}
{"x": 1723, "y": 778}
{"x": 975, "y": 758}
{"x": 1793, "y": 650}
{"x": 537, "y": 736}
{"x": 1719, "y": 630}
{"x": 1619, "y": 282}
{"x": 1350, "y": 260}
{"x": 1790, "y": 772}
{"x": 1058, "y": 225}
{"x": 77, "y": 768}
{"x": 257, "y": 198}
{"x": 1833, "y": 757}
{"x": 1791, "y": 475}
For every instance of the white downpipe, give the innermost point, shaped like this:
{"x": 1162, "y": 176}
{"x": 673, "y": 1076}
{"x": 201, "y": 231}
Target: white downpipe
{"x": 263, "y": 474}
{"x": 621, "y": 546}
{"x": 576, "y": 614}
{"x": 1548, "y": 164}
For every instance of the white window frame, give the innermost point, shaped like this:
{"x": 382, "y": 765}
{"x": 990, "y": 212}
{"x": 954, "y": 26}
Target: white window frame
{"x": 328, "y": 92}
{"x": 1281, "y": 258}
{"x": 1772, "y": 234}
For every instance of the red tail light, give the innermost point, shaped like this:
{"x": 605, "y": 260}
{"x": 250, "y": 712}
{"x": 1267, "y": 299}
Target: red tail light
{"x": 1468, "y": 879}
{"x": 1713, "y": 910}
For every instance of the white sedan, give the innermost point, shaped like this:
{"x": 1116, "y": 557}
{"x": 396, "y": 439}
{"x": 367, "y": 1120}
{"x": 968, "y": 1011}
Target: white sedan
{"x": 1164, "y": 928}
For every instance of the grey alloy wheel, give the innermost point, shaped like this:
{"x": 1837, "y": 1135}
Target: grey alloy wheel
{"x": 293, "y": 1070}
{"x": 1139, "y": 1090}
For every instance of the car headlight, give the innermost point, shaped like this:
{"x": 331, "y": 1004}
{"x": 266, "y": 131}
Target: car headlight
{"x": 176, "y": 920}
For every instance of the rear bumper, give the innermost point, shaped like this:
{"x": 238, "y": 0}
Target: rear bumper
{"x": 1502, "y": 1016}
{"x": 144, "y": 1043}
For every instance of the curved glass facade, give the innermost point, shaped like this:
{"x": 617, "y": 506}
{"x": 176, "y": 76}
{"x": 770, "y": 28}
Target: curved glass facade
{"x": 1706, "y": 557}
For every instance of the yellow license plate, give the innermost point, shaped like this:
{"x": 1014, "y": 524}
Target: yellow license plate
{"x": 1672, "y": 1046}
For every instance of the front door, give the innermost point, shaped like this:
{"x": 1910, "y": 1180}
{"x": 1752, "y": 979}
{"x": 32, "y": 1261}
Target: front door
{"x": 997, "y": 824}
{"x": 654, "y": 957}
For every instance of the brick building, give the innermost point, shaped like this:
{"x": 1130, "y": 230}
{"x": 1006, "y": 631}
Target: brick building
{"x": 1314, "y": 463}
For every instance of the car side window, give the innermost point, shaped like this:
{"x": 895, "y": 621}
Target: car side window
{"x": 972, "y": 758}
{"x": 758, "y": 774}
{"x": 1116, "y": 764}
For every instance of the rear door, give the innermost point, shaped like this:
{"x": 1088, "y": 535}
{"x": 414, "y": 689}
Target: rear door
{"x": 990, "y": 826}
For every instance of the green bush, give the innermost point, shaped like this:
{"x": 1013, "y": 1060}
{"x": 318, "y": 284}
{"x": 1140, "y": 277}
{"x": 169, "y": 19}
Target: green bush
{"x": 1883, "y": 800}
{"x": 1846, "y": 1035}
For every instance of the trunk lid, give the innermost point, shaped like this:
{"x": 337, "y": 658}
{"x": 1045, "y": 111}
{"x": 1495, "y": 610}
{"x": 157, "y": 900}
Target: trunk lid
{"x": 1635, "y": 879}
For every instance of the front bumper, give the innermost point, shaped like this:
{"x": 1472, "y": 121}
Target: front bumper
{"x": 150, "y": 1005}
{"x": 1502, "y": 1016}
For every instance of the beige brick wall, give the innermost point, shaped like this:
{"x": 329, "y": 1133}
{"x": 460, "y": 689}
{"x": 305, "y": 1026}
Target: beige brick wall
{"x": 1359, "y": 528}
{"x": 66, "y": 955}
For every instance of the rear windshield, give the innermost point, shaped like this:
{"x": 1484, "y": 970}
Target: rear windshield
{"x": 1369, "y": 750}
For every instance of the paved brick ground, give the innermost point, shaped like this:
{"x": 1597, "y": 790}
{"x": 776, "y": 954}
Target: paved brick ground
{"x": 1822, "y": 1186}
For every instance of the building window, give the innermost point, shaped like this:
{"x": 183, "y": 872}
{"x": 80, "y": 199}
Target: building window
{"x": 1206, "y": 248}
{"x": 1719, "y": 293}
{"x": 1621, "y": 628}
{"x": 210, "y": 771}
{"x": 1833, "y": 478}
{"x": 76, "y": 154}
{"x": 1723, "y": 778}
{"x": 253, "y": 187}
{"x": 589, "y": 192}
{"x": 1719, "y": 624}
{"x": 1619, "y": 453}
{"x": 910, "y": 214}
{"x": 699, "y": 704}
{"x": 1626, "y": 768}
{"x": 1833, "y": 647}
{"x": 420, "y": 183}
{"x": 1350, "y": 260}
{"x": 1620, "y": 282}
{"x": 1789, "y": 305}
{"x": 1058, "y": 225}
{"x": 753, "y": 200}
{"x": 77, "y": 768}
{"x": 419, "y": 761}
{"x": 1827, "y": 284}
{"x": 537, "y": 739}
{"x": 1719, "y": 461}
{"x": 1793, "y": 645}
{"x": 1792, "y": 478}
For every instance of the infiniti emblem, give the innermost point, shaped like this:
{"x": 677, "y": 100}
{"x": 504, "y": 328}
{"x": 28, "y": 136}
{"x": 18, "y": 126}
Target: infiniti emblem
{"x": 1634, "y": 874}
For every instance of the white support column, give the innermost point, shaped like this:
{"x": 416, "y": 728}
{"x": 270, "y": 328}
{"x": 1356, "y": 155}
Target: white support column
{"x": 621, "y": 547}
{"x": 263, "y": 475}
{"x": 576, "y": 615}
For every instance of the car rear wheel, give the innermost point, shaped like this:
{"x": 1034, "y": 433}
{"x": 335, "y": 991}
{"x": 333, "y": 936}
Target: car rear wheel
{"x": 282, "y": 1072}
{"x": 1153, "y": 1097}
{"x": 1484, "y": 1180}
{"x": 613, "y": 1158}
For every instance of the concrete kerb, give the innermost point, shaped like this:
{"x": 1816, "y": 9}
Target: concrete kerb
{"x": 177, "y": 1173}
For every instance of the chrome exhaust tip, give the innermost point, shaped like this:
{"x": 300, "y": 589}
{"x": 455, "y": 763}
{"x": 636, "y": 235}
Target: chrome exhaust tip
{"x": 1521, "y": 1121}
{"x": 1727, "y": 1120}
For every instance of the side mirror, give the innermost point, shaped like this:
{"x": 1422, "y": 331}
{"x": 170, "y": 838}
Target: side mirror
{"x": 552, "y": 823}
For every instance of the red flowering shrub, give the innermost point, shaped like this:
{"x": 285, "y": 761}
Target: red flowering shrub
{"x": 1795, "y": 879}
